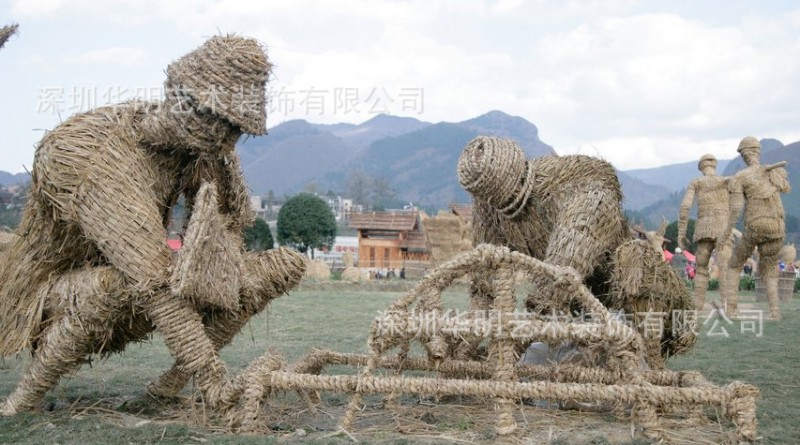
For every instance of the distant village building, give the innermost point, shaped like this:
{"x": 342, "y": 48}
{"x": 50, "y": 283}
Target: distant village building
{"x": 258, "y": 206}
{"x": 341, "y": 207}
{"x": 341, "y": 246}
{"x": 390, "y": 240}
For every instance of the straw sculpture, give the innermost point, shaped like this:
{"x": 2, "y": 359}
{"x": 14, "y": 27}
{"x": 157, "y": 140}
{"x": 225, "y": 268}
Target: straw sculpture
{"x": 563, "y": 210}
{"x": 419, "y": 319}
{"x": 757, "y": 189}
{"x": 91, "y": 272}
{"x": 6, "y": 32}
{"x": 711, "y": 193}
{"x": 656, "y": 237}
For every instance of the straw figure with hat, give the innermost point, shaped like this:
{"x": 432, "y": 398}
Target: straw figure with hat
{"x": 711, "y": 193}
{"x": 91, "y": 272}
{"x": 757, "y": 189}
{"x": 566, "y": 210}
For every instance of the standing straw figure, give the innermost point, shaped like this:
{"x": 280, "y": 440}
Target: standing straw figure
{"x": 757, "y": 189}
{"x": 711, "y": 193}
{"x": 91, "y": 271}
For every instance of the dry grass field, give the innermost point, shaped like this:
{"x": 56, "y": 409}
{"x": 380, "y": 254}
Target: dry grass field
{"x": 106, "y": 402}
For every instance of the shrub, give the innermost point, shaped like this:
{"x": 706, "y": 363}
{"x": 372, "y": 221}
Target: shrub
{"x": 747, "y": 282}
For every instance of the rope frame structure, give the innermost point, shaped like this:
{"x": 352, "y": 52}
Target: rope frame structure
{"x": 649, "y": 393}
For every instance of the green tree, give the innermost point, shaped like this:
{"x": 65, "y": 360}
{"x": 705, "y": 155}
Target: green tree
{"x": 306, "y": 222}
{"x": 672, "y": 236}
{"x": 258, "y": 236}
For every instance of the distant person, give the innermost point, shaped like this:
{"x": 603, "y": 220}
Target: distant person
{"x": 747, "y": 269}
{"x": 403, "y": 273}
{"x": 679, "y": 262}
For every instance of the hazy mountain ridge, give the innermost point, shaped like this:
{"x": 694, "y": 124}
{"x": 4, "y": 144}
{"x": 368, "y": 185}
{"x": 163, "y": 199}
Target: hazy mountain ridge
{"x": 419, "y": 160}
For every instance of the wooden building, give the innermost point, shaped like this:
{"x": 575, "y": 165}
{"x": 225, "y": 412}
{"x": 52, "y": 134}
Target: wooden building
{"x": 390, "y": 240}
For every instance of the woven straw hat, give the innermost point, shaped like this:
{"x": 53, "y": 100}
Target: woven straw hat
{"x": 225, "y": 76}
{"x": 707, "y": 159}
{"x": 496, "y": 170}
{"x": 749, "y": 143}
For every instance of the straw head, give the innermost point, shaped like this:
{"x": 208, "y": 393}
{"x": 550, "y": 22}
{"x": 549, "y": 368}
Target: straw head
{"x": 496, "y": 170}
{"x": 707, "y": 160}
{"x": 227, "y": 77}
{"x": 749, "y": 143}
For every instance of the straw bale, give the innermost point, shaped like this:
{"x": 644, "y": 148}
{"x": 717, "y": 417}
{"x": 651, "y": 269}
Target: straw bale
{"x": 208, "y": 270}
{"x": 355, "y": 275}
{"x": 788, "y": 254}
{"x": 317, "y": 270}
{"x": 6, "y": 32}
{"x": 447, "y": 235}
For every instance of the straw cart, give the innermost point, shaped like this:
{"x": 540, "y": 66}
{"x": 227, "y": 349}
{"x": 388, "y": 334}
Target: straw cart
{"x": 418, "y": 318}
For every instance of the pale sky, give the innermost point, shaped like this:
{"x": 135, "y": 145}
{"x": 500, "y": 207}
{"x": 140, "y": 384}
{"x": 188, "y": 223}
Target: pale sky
{"x": 639, "y": 83}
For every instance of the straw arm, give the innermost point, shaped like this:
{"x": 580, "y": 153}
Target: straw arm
{"x": 686, "y": 205}
{"x": 736, "y": 205}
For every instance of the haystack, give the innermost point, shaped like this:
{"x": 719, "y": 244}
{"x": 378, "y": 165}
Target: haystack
{"x": 317, "y": 270}
{"x": 757, "y": 189}
{"x": 447, "y": 235}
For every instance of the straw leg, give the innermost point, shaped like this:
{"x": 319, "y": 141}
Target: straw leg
{"x": 67, "y": 342}
{"x": 739, "y": 256}
{"x": 61, "y": 351}
{"x": 704, "y": 248}
{"x": 724, "y": 251}
{"x": 768, "y": 269}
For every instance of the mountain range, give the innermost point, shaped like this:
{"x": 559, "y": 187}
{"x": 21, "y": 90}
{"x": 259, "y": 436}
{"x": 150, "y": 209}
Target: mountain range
{"x": 417, "y": 159}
